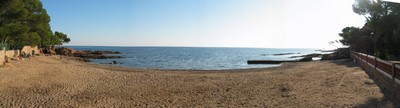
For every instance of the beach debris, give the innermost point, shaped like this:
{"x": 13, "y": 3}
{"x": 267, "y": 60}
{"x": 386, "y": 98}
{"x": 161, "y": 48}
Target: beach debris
{"x": 228, "y": 89}
{"x": 285, "y": 89}
{"x": 369, "y": 82}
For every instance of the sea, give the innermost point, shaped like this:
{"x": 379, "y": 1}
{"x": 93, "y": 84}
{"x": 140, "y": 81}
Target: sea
{"x": 195, "y": 58}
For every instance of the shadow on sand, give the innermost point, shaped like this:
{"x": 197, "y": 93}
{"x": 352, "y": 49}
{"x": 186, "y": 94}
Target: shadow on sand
{"x": 386, "y": 102}
{"x": 345, "y": 62}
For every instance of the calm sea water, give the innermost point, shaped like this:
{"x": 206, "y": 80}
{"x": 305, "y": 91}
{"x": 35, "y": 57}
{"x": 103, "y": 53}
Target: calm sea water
{"x": 194, "y": 58}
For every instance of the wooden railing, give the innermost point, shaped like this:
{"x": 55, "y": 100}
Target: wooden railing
{"x": 388, "y": 68}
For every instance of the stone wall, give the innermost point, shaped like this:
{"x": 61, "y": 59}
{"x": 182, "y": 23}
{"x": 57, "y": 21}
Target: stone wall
{"x": 388, "y": 84}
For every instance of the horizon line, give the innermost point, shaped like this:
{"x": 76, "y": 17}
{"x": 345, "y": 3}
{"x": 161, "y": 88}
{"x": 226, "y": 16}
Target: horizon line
{"x": 192, "y": 46}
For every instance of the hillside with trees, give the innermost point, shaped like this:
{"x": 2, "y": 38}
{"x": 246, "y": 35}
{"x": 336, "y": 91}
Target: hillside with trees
{"x": 380, "y": 35}
{"x": 26, "y": 22}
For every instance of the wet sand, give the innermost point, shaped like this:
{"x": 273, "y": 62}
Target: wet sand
{"x": 54, "y": 82}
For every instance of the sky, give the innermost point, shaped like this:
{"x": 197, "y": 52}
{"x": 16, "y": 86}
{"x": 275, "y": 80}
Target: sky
{"x": 203, "y": 23}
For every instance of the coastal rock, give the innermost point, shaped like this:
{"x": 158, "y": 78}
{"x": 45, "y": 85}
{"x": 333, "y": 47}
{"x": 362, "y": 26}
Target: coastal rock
{"x": 113, "y": 62}
{"x": 94, "y": 56}
{"x": 308, "y": 55}
{"x": 340, "y": 53}
{"x": 65, "y": 51}
{"x": 325, "y": 50}
{"x": 101, "y": 52}
{"x": 284, "y": 54}
{"x": 87, "y": 54}
{"x": 83, "y": 60}
{"x": 328, "y": 57}
{"x": 343, "y": 53}
{"x": 313, "y": 55}
{"x": 306, "y": 59}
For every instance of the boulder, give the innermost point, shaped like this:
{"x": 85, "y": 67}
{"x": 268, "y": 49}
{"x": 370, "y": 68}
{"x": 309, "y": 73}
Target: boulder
{"x": 340, "y": 53}
{"x": 65, "y": 51}
{"x": 69, "y": 51}
{"x": 52, "y": 52}
{"x": 89, "y": 55}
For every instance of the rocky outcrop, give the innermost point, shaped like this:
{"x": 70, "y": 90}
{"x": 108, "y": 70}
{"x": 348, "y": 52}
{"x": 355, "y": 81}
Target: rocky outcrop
{"x": 94, "y": 55}
{"x": 87, "y": 54}
{"x": 308, "y": 55}
{"x": 306, "y": 59}
{"x": 325, "y": 50}
{"x": 284, "y": 54}
{"x": 340, "y": 53}
{"x": 328, "y": 57}
{"x": 65, "y": 51}
{"x": 103, "y": 52}
{"x": 113, "y": 62}
{"x": 31, "y": 50}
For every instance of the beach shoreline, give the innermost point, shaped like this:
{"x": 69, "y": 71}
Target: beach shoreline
{"x": 51, "y": 81}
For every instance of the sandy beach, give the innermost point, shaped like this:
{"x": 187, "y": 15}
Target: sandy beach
{"x": 54, "y": 82}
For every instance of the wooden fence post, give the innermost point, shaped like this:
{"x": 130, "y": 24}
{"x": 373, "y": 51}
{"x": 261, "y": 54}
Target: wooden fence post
{"x": 360, "y": 57}
{"x": 365, "y": 62}
{"x": 375, "y": 63}
{"x": 394, "y": 79}
{"x": 393, "y": 71}
{"x": 366, "y": 59}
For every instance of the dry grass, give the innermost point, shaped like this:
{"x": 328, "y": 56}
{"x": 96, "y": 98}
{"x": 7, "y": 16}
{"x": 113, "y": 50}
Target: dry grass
{"x": 51, "y": 82}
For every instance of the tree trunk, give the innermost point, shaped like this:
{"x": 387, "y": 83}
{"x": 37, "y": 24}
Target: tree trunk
{"x": 376, "y": 38}
{"x": 4, "y": 52}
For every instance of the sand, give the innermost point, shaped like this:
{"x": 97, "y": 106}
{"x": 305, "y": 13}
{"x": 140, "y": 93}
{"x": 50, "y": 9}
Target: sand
{"x": 54, "y": 82}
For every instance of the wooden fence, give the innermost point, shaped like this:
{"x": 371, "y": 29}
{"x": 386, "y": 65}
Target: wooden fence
{"x": 388, "y": 68}
{"x": 386, "y": 74}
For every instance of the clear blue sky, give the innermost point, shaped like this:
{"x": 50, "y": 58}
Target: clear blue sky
{"x": 202, "y": 23}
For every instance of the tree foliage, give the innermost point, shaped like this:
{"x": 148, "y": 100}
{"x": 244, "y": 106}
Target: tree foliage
{"x": 26, "y": 22}
{"x": 347, "y": 34}
{"x": 60, "y": 38}
{"x": 381, "y": 30}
